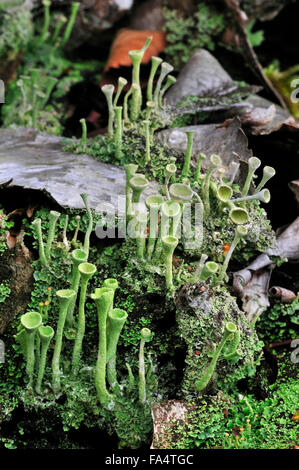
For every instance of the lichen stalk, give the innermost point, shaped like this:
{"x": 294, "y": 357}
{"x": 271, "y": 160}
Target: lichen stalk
{"x": 147, "y": 141}
{"x": 230, "y": 349}
{"x": 118, "y": 132}
{"x": 186, "y": 167}
{"x": 86, "y": 271}
{"x": 165, "y": 70}
{"x": 64, "y": 297}
{"x": 169, "y": 244}
{"x": 140, "y": 235}
{"x": 153, "y": 203}
{"x": 120, "y": 86}
{"x": 130, "y": 170}
{"x": 45, "y": 30}
{"x": 78, "y": 257}
{"x": 170, "y": 81}
{"x": 170, "y": 171}
{"x": 84, "y": 197}
{"x": 263, "y": 196}
{"x": 116, "y": 321}
{"x": 145, "y": 337}
{"x": 253, "y": 165}
{"x": 103, "y": 298}
{"x": 136, "y": 57}
{"x": 197, "y": 175}
{"x": 70, "y": 24}
{"x": 30, "y": 321}
{"x": 201, "y": 384}
{"x": 45, "y": 333}
{"x": 214, "y": 163}
{"x": 268, "y": 173}
{"x": 156, "y": 61}
{"x": 37, "y": 225}
{"x": 83, "y": 139}
{"x": 74, "y": 239}
{"x": 60, "y": 22}
{"x": 108, "y": 92}
{"x": 53, "y": 217}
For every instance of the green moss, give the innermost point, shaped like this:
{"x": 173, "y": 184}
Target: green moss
{"x": 4, "y": 291}
{"x": 279, "y": 323}
{"x": 185, "y": 34}
{"x": 242, "y": 421}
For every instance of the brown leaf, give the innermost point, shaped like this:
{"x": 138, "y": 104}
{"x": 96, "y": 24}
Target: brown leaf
{"x": 130, "y": 39}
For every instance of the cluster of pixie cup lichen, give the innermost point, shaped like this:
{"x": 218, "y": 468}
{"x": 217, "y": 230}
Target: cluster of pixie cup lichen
{"x": 35, "y": 337}
{"x": 157, "y": 227}
{"x": 126, "y": 116}
{"x": 37, "y": 87}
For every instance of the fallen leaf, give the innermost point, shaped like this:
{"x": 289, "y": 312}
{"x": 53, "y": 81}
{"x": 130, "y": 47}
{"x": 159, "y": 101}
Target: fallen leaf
{"x": 130, "y": 39}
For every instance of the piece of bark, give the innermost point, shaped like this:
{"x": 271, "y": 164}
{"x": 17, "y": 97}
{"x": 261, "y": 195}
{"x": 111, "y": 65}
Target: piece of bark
{"x": 260, "y": 116}
{"x": 282, "y": 294}
{"x": 36, "y": 161}
{"x": 15, "y": 267}
{"x": 252, "y": 282}
{"x": 254, "y": 296}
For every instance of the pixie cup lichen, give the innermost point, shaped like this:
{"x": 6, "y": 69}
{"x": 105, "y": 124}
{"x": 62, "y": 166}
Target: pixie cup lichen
{"x": 253, "y": 164}
{"x": 120, "y": 85}
{"x": 170, "y": 218}
{"x": 229, "y": 329}
{"x": 171, "y": 170}
{"x": 84, "y": 197}
{"x": 116, "y": 320}
{"x": 153, "y": 204}
{"x": 169, "y": 244}
{"x": 268, "y": 173}
{"x": 64, "y": 297}
{"x": 78, "y": 256}
{"x": 108, "y": 91}
{"x": 45, "y": 333}
{"x": 210, "y": 268}
{"x": 136, "y": 57}
{"x": 87, "y": 270}
{"x": 146, "y": 336}
{"x": 138, "y": 184}
{"x": 37, "y": 225}
{"x": 103, "y": 298}
{"x": 30, "y": 321}
{"x": 186, "y": 167}
{"x": 215, "y": 163}
{"x": 130, "y": 170}
{"x": 156, "y": 61}
{"x": 165, "y": 70}
{"x": 53, "y": 217}
{"x": 180, "y": 192}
